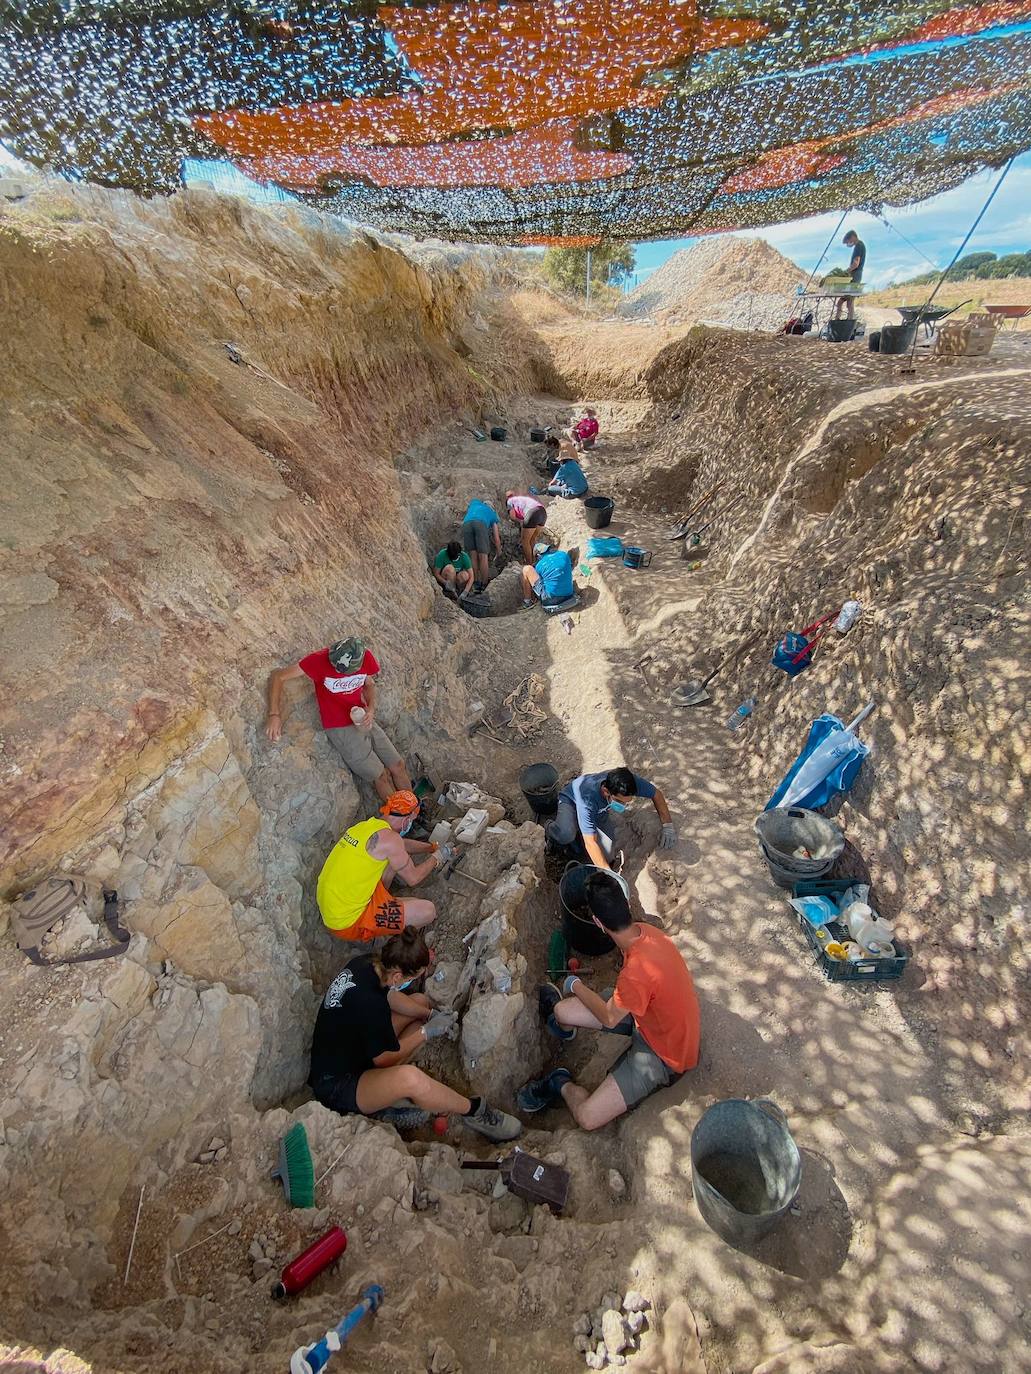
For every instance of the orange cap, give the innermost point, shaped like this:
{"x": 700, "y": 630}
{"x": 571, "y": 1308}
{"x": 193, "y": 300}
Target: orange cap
{"x": 400, "y": 804}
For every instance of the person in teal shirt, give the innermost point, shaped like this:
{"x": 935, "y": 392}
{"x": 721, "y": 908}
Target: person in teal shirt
{"x": 453, "y": 570}
{"x": 480, "y": 526}
{"x": 569, "y": 480}
{"x": 550, "y": 579}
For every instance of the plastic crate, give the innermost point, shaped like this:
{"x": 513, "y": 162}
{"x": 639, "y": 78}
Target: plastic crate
{"x": 869, "y": 970}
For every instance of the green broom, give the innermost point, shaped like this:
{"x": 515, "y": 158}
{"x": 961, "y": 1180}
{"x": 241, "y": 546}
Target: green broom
{"x": 557, "y": 955}
{"x": 295, "y": 1170}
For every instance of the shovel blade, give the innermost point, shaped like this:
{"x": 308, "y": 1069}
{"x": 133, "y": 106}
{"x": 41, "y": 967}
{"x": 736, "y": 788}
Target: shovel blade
{"x": 691, "y": 694}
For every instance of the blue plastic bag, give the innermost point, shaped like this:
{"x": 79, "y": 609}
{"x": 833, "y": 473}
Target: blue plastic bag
{"x": 840, "y": 780}
{"x": 611, "y": 547}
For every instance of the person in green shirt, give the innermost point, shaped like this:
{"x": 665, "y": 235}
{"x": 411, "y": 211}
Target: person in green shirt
{"x": 453, "y": 569}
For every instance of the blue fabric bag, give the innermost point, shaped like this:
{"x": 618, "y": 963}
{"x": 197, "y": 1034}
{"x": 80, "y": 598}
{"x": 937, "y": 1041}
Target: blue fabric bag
{"x": 839, "y": 781}
{"x": 611, "y": 547}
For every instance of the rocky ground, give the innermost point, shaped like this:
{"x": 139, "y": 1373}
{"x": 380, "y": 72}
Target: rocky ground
{"x": 176, "y": 1069}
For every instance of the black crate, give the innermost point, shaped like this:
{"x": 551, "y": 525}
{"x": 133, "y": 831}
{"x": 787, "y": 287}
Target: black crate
{"x": 843, "y": 970}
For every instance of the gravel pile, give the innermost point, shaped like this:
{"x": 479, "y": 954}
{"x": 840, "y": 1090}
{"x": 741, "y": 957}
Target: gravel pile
{"x": 743, "y": 283}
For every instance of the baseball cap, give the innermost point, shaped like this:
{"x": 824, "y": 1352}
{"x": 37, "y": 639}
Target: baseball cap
{"x": 346, "y": 653}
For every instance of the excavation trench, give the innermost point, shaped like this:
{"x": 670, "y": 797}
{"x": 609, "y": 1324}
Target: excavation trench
{"x": 256, "y": 520}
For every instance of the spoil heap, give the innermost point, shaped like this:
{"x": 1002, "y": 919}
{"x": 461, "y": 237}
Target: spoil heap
{"x": 743, "y": 283}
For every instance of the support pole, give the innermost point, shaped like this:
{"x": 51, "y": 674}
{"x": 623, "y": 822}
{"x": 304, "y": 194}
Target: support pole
{"x": 588, "y": 276}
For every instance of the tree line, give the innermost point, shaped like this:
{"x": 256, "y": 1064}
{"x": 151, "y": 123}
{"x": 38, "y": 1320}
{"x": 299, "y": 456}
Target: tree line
{"x": 983, "y": 266}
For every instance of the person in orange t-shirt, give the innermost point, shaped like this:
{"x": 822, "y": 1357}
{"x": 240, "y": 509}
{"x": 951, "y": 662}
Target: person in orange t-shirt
{"x": 654, "y": 1003}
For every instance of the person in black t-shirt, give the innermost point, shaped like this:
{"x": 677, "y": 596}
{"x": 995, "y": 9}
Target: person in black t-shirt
{"x": 855, "y": 272}
{"x": 368, "y": 1029}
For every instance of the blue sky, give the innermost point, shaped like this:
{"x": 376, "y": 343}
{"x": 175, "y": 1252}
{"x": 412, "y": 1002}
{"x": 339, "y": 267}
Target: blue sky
{"x": 935, "y": 226}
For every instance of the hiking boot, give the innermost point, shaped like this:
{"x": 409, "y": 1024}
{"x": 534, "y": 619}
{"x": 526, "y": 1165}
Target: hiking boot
{"x": 495, "y": 1125}
{"x": 543, "y": 1092}
{"x": 547, "y": 1000}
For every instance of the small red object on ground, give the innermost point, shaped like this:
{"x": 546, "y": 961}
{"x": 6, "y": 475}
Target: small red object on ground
{"x": 310, "y": 1263}
{"x": 573, "y": 965}
{"x": 440, "y": 1125}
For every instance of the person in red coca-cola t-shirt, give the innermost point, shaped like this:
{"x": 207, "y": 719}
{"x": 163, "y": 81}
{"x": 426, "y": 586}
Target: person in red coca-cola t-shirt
{"x": 346, "y": 694}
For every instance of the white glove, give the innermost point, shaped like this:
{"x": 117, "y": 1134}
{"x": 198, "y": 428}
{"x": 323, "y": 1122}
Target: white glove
{"x": 441, "y": 1023}
{"x": 668, "y": 838}
{"x": 445, "y": 853}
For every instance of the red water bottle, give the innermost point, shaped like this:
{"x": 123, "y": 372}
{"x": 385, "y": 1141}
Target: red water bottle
{"x": 310, "y": 1263}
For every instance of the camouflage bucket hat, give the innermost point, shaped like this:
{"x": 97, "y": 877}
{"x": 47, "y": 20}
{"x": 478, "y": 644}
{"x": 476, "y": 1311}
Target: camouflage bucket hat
{"x": 346, "y": 654}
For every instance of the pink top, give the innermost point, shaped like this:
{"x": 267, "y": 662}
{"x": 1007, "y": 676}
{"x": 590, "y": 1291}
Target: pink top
{"x": 587, "y": 428}
{"x": 523, "y": 506}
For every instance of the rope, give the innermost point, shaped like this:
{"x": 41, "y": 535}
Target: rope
{"x": 884, "y": 220}
{"x": 826, "y": 249}
{"x": 959, "y": 252}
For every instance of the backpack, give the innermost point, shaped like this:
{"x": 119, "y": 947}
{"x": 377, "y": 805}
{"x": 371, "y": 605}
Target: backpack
{"x": 35, "y": 911}
{"x": 794, "y": 653}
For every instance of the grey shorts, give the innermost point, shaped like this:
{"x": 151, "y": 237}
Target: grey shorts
{"x": 366, "y": 752}
{"x": 475, "y": 537}
{"x": 536, "y": 520}
{"x": 639, "y": 1071}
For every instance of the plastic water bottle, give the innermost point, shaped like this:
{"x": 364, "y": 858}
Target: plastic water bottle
{"x": 742, "y": 713}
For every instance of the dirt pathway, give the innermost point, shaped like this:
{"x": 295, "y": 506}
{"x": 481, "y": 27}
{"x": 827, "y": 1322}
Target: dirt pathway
{"x": 887, "y": 1250}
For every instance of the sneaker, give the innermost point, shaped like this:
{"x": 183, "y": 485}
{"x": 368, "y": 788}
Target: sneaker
{"x": 495, "y": 1125}
{"x": 547, "y": 1000}
{"x": 542, "y": 1092}
{"x": 528, "y": 603}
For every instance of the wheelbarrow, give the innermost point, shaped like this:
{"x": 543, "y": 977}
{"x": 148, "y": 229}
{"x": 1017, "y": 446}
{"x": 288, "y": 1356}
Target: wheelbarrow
{"x": 696, "y": 693}
{"x": 929, "y": 317}
{"x": 1013, "y": 313}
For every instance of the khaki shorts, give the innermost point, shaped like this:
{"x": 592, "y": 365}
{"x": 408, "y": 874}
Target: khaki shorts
{"x": 366, "y": 752}
{"x": 384, "y": 915}
{"x": 639, "y": 1071}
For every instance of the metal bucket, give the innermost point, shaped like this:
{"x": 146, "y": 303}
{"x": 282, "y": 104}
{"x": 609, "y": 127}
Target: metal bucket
{"x": 637, "y": 558}
{"x": 577, "y": 922}
{"x": 745, "y": 1168}
{"x": 539, "y": 785}
{"x": 782, "y": 831}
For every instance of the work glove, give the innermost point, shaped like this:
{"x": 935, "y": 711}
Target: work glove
{"x": 441, "y": 1023}
{"x": 668, "y": 838}
{"x": 569, "y": 983}
{"x": 445, "y": 854}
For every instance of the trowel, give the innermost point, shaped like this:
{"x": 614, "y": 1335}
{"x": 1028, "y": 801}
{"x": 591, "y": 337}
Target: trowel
{"x": 696, "y": 693}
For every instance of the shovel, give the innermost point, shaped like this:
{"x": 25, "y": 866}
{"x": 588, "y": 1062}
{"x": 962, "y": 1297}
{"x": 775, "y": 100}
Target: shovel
{"x": 682, "y": 528}
{"x": 696, "y": 538}
{"x": 695, "y": 693}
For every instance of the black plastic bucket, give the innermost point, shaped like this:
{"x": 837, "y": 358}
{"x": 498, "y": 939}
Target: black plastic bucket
{"x": 539, "y": 785}
{"x": 498, "y": 434}
{"x": 538, "y": 436}
{"x": 577, "y": 922}
{"x": 745, "y": 1168}
{"x": 598, "y": 510}
{"x": 897, "y": 338}
{"x": 841, "y": 331}
{"x": 873, "y": 341}
{"x": 784, "y": 830}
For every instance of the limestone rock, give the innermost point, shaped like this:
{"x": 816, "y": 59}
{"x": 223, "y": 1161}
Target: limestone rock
{"x": 442, "y": 1359}
{"x": 507, "y": 1213}
{"x": 617, "y": 1185}
{"x": 636, "y": 1302}
{"x": 613, "y": 1332}
{"x": 439, "y": 1171}
{"x": 442, "y": 988}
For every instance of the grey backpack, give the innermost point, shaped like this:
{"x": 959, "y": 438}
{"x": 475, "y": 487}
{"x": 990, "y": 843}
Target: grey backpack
{"x": 35, "y": 911}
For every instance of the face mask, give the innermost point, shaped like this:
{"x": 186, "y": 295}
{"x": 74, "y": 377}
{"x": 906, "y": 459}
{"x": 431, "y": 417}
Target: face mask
{"x": 616, "y": 806}
{"x": 407, "y": 825}
{"x": 406, "y": 984}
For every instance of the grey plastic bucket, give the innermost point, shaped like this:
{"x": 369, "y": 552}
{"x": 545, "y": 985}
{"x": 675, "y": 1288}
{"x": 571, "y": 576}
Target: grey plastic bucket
{"x": 745, "y": 1168}
{"x": 782, "y": 831}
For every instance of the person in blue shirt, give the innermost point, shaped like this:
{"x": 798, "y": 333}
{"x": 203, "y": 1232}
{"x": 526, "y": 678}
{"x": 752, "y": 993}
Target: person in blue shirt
{"x": 480, "y": 525}
{"x": 589, "y": 805}
{"x": 550, "y": 579}
{"x": 569, "y": 480}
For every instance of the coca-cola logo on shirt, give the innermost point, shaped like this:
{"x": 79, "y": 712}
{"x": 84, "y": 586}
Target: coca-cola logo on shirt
{"x": 344, "y": 684}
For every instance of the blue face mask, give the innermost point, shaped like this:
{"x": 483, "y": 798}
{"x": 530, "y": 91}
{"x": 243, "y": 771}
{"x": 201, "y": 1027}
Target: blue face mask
{"x": 616, "y": 806}
{"x": 408, "y": 825}
{"x": 406, "y": 984}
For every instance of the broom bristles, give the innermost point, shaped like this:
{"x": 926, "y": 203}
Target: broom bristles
{"x": 297, "y": 1170}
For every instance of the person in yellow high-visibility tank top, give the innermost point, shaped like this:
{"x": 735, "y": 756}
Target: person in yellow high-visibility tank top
{"x": 353, "y": 891}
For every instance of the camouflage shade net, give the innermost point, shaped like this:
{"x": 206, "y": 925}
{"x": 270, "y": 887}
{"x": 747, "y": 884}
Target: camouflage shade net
{"x": 531, "y": 121}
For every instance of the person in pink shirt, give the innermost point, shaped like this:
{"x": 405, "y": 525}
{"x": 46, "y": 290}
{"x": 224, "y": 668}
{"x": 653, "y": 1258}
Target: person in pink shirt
{"x": 585, "y": 431}
{"x": 530, "y": 515}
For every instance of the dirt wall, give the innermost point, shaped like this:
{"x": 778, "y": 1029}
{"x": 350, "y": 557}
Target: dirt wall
{"x": 909, "y": 494}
